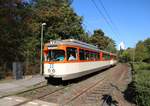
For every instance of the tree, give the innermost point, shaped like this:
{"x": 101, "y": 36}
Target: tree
{"x": 98, "y": 39}
{"x": 14, "y": 32}
{"x": 111, "y": 47}
{"x": 147, "y": 45}
{"x": 127, "y": 55}
{"x": 62, "y": 21}
{"x": 13, "y": 29}
{"x": 140, "y": 52}
{"x": 103, "y": 42}
{"x": 84, "y": 37}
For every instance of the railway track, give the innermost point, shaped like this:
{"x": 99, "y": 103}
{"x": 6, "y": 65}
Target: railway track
{"x": 41, "y": 96}
{"x": 63, "y": 97}
{"x": 102, "y": 93}
{"x": 56, "y": 94}
{"x": 95, "y": 90}
{"x": 52, "y": 93}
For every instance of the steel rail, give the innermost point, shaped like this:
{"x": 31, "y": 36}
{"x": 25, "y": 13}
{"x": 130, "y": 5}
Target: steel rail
{"x": 44, "y": 95}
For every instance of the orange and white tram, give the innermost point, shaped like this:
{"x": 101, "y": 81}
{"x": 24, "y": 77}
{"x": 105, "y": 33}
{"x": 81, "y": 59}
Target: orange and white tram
{"x": 69, "y": 59}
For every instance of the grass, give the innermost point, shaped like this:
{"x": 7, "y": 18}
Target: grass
{"x": 141, "y": 77}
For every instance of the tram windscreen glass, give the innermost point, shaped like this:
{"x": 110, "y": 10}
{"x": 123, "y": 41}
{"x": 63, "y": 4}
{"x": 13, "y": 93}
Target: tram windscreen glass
{"x": 55, "y": 55}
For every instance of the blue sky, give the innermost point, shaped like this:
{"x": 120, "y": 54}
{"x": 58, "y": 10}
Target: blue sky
{"x": 131, "y": 18}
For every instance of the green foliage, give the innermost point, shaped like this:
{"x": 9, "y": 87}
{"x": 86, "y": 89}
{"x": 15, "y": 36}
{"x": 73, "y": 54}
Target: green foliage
{"x": 142, "y": 66}
{"x": 127, "y": 55}
{"x": 30, "y": 47}
{"x": 139, "y": 54}
{"x": 147, "y": 45}
{"x": 21, "y": 25}
{"x": 98, "y": 39}
{"x": 13, "y": 29}
{"x": 62, "y": 22}
{"x": 85, "y": 38}
{"x": 111, "y": 47}
{"x": 141, "y": 51}
{"x": 142, "y": 83}
{"x": 141, "y": 72}
{"x": 103, "y": 42}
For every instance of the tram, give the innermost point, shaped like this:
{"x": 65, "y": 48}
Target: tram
{"x": 70, "y": 58}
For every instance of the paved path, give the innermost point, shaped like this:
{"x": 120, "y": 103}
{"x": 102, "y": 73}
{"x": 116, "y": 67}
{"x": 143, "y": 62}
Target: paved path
{"x": 14, "y": 86}
{"x": 16, "y": 101}
{"x": 19, "y": 85}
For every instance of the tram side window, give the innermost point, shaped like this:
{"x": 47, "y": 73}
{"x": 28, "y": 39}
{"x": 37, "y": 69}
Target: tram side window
{"x": 71, "y": 53}
{"x": 82, "y": 54}
{"x": 87, "y": 55}
{"x": 106, "y": 56}
{"x": 93, "y": 56}
{"x": 97, "y": 56}
{"x": 54, "y": 55}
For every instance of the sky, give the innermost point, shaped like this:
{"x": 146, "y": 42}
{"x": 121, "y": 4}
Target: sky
{"x": 130, "y": 18}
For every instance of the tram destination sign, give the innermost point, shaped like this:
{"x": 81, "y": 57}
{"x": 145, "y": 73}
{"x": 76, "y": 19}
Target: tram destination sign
{"x": 52, "y": 47}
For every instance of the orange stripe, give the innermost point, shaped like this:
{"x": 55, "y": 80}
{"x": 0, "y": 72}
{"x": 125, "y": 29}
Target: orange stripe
{"x": 74, "y": 61}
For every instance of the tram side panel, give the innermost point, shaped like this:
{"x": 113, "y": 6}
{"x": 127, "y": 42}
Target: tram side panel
{"x": 83, "y": 68}
{"x": 72, "y": 70}
{"x": 68, "y": 71}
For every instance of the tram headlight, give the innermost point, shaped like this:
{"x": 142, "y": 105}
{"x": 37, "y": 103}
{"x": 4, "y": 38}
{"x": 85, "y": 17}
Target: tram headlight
{"x": 53, "y": 70}
{"x": 49, "y": 70}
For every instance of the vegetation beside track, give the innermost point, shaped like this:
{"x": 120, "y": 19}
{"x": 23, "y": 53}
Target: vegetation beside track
{"x": 141, "y": 79}
{"x": 138, "y": 91}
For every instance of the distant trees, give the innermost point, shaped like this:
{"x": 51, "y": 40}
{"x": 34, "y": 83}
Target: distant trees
{"x": 127, "y": 55}
{"x": 141, "y": 53}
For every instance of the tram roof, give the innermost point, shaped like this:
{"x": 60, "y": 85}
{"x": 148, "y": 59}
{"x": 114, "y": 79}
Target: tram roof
{"x": 73, "y": 42}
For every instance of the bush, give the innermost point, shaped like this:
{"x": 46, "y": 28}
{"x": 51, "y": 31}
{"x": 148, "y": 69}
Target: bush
{"x": 142, "y": 66}
{"x": 142, "y": 83}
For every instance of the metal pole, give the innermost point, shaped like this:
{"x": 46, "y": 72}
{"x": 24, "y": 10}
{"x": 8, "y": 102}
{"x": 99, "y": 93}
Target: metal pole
{"x": 41, "y": 71}
{"x": 41, "y": 65}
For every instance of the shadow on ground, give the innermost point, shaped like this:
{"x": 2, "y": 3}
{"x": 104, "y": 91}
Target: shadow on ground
{"x": 107, "y": 99}
{"x": 130, "y": 93}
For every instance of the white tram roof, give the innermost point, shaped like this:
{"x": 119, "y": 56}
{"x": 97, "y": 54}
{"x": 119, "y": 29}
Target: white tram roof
{"x": 73, "y": 42}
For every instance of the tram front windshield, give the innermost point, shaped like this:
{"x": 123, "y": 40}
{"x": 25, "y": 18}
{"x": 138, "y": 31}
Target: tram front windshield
{"x": 55, "y": 55}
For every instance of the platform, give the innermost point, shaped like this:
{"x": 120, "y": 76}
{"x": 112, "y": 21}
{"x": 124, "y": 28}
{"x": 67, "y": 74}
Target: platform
{"x": 14, "y": 86}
